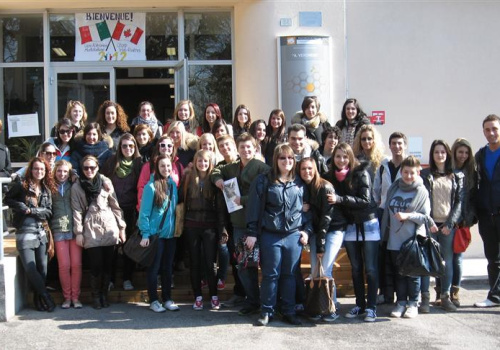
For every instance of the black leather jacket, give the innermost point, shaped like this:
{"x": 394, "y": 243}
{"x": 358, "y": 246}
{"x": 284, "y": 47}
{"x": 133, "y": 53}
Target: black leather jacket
{"x": 457, "y": 195}
{"x": 326, "y": 217}
{"x": 354, "y": 194}
{"x": 28, "y": 223}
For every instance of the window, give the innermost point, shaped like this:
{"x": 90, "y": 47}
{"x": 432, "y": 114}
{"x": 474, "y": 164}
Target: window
{"x": 161, "y": 36}
{"x": 23, "y": 94}
{"x": 62, "y": 38}
{"x": 211, "y": 83}
{"x": 22, "y": 38}
{"x": 208, "y": 36}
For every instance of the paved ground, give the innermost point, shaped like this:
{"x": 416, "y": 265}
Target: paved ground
{"x": 133, "y": 326}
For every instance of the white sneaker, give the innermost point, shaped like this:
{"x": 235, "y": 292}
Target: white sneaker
{"x": 127, "y": 285}
{"x": 398, "y": 311}
{"x": 486, "y": 303}
{"x": 171, "y": 306}
{"x": 156, "y": 306}
{"x": 411, "y": 311}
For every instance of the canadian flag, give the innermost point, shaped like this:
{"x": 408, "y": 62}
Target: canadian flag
{"x": 125, "y": 32}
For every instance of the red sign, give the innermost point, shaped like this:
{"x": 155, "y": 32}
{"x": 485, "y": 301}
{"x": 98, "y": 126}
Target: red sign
{"x": 378, "y": 117}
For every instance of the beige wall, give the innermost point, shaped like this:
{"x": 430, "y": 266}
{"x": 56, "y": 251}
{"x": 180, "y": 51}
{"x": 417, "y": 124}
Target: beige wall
{"x": 434, "y": 67}
{"x": 257, "y": 27}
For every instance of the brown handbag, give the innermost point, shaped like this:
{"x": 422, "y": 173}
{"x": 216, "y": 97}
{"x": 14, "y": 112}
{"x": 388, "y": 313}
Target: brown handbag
{"x": 319, "y": 293}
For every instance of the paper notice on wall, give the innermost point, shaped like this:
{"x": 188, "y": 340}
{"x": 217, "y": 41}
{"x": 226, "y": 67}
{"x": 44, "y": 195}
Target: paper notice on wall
{"x": 110, "y": 36}
{"x": 20, "y": 125}
{"x": 415, "y": 146}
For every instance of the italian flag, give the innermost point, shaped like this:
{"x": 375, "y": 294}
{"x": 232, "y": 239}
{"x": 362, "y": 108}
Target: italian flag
{"x": 124, "y": 32}
{"x": 95, "y": 32}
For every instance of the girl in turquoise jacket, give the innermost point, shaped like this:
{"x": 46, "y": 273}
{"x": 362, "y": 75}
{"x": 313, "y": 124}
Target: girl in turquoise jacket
{"x": 157, "y": 217}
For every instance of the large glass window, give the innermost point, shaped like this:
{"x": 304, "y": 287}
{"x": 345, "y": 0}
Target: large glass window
{"x": 23, "y": 94}
{"x": 211, "y": 84}
{"x": 208, "y": 36}
{"x": 22, "y": 38}
{"x": 161, "y": 36}
{"x": 62, "y": 37}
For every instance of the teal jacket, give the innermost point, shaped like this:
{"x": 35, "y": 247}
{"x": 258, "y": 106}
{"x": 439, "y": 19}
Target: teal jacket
{"x": 150, "y": 216}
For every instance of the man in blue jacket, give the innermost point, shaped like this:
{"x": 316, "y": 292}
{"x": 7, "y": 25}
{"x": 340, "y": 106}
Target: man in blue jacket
{"x": 488, "y": 205}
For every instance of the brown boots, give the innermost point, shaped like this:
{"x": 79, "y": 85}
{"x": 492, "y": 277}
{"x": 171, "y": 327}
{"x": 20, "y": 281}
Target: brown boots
{"x": 455, "y": 299}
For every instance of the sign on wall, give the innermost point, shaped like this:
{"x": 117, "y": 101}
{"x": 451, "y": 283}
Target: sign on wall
{"x": 304, "y": 70}
{"x": 110, "y": 36}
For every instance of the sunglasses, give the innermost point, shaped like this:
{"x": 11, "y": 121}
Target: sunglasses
{"x": 50, "y": 154}
{"x": 125, "y": 146}
{"x": 65, "y": 132}
{"x": 168, "y": 145}
{"x": 367, "y": 139}
{"x": 91, "y": 168}
{"x": 286, "y": 158}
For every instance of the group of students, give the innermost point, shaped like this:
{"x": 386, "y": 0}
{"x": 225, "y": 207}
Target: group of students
{"x": 309, "y": 184}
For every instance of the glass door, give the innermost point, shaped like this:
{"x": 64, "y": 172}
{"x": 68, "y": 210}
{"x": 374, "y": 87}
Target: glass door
{"x": 92, "y": 87}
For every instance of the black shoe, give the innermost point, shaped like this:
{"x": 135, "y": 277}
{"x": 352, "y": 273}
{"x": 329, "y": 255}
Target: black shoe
{"x": 38, "y": 302}
{"x": 249, "y": 310}
{"x": 48, "y": 301}
{"x": 292, "y": 319}
{"x": 263, "y": 320}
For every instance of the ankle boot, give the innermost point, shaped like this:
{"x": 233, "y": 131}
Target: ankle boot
{"x": 438, "y": 293}
{"x": 446, "y": 303}
{"x": 95, "y": 286}
{"x": 424, "y": 303}
{"x": 455, "y": 299}
{"x": 48, "y": 301}
{"x": 38, "y": 303}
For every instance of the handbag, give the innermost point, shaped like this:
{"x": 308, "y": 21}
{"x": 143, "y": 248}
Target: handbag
{"x": 245, "y": 257}
{"x": 461, "y": 240}
{"x": 420, "y": 256}
{"x": 180, "y": 210}
{"x": 144, "y": 256}
{"x": 319, "y": 292}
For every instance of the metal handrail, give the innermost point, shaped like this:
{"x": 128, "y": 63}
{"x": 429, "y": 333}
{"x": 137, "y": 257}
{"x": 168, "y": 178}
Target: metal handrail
{"x": 3, "y": 180}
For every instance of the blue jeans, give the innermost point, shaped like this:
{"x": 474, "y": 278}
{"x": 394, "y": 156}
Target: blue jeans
{"x": 457, "y": 269}
{"x": 446, "y": 245}
{"x": 223, "y": 262}
{"x": 280, "y": 254}
{"x": 364, "y": 258}
{"x": 407, "y": 288}
{"x": 163, "y": 264}
{"x": 249, "y": 276}
{"x": 333, "y": 243}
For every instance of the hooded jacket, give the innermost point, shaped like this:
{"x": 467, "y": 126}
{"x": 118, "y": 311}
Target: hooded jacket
{"x": 102, "y": 150}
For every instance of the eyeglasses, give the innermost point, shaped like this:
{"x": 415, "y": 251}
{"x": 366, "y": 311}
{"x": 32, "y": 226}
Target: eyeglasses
{"x": 367, "y": 139}
{"x": 50, "y": 154}
{"x": 91, "y": 168}
{"x": 286, "y": 158}
{"x": 65, "y": 132}
{"x": 167, "y": 145}
{"x": 125, "y": 146}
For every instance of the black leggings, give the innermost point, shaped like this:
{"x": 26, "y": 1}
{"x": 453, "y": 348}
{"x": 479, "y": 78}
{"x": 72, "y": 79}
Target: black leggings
{"x": 34, "y": 261}
{"x": 100, "y": 260}
{"x": 205, "y": 239}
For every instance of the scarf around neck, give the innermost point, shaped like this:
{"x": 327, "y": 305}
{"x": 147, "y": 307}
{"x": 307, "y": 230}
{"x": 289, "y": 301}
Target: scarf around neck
{"x": 92, "y": 188}
{"x": 124, "y": 168}
{"x": 152, "y": 122}
{"x": 341, "y": 174}
{"x": 311, "y": 124}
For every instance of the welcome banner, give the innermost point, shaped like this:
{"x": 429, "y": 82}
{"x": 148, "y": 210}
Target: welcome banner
{"x": 110, "y": 36}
